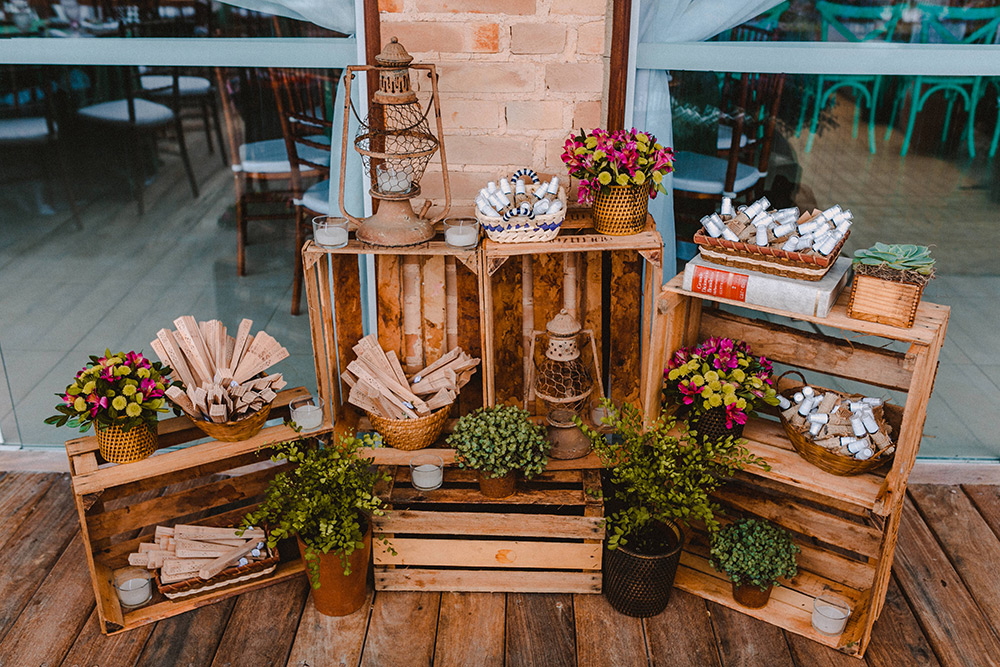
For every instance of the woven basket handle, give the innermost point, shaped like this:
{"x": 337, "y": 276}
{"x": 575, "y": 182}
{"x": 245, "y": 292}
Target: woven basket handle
{"x": 791, "y": 372}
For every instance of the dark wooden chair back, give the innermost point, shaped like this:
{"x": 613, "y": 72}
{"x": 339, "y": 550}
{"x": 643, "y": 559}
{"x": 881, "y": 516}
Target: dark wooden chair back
{"x": 305, "y": 107}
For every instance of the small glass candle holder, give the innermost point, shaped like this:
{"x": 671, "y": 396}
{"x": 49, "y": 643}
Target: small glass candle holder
{"x": 830, "y": 615}
{"x": 427, "y": 472}
{"x": 305, "y": 413}
{"x": 330, "y": 232}
{"x": 461, "y": 232}
{"x": 134, "y": 586}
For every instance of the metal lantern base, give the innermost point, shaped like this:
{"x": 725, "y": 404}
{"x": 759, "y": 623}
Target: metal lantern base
{"x": 395, "y": 225}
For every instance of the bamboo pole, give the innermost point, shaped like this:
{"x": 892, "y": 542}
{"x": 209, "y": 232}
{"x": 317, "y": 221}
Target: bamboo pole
{"x": 413, "y": 352}
{"x": 451, "y": 303}
{"x": 528, "y": 320}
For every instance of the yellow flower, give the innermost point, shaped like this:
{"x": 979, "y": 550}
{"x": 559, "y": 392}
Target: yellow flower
{"x": 715, "y": 400}
{"x": 622, "y": 179}
{"x": 129, "y": 390}
{"x": 143, "y": 372}
{"x": 706, "y": 392}
{"x": 756, "y": 382}
{"x": 712, "y": 376}
{"x": 79, "y": 404}
{"x": 639, "y": 178}
{"x": 739, "y": 375}
{"x": 119, "y": 403}
{"x": 73, "y": 390}
{"x": 133, "y": 410}
{"x": 728, "y": 389}
{"x": 698, "y": 380}
{"x": 715, "y": 386}
{"x": 604, "y": 178}
{"x": 122, "y": 370}
{"x": 89, "y": 387}
{"x": 741, "y": 404}
{"x": 728, "y": 399}
{"x": 138, "y": 397}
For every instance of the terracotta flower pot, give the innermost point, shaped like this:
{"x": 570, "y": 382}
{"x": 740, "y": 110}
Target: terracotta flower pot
{"x": 121, "y": 446}
{"x": 637, "y": 584}
{"x": 497, "y": 487}
{"x": 751, "y": 596}
{"x": 340, "y": 595}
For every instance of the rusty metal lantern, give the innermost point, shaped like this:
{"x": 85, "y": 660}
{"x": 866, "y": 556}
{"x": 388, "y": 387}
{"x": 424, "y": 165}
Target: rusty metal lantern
{"x": 562, "y": 380}
{"x": 396, "y": 144}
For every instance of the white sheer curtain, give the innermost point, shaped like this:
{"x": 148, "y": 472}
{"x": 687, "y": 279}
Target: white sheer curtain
{"x": 332, "y": 14}
{"x": 663, "y": 21}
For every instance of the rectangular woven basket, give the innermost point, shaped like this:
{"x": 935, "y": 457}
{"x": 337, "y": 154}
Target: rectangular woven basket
{"x": 775, "y": 261}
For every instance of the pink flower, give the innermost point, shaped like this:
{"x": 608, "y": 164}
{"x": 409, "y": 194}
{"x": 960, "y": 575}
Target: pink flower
{"x": 734, "y": 414}
{"x": 69, "y": 400}
{"x": 689, "y": 391}
{"x": 96, "y": 404}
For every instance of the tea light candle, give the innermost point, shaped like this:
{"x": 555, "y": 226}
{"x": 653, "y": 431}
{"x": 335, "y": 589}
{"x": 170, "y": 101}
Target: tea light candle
{"x": 306, "y": 414}
{"x": 461, "y": 232}
{"x": 830, "y": 615}
{"x": 426, "y": 472}
{"x": 330, "y": 232}
{"x": 133, "y": 586}
{"x": 390, "y": 180}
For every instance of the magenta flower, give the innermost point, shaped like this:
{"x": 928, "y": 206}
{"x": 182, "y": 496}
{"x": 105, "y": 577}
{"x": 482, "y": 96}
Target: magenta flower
{"x": 96, "y": 404}
{"x": 734, "y": 415}
{"x": 689, "y": 391}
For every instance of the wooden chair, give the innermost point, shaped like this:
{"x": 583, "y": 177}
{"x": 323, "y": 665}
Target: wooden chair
{"x": 305, "y": 108}
{"x": 257, "y": 162}
{"x": 29, "y": 122}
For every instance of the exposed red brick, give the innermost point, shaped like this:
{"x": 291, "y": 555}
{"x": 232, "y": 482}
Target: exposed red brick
{"x": 530, "y": 38}
{"x": 579, "y": 7}
{"x": 574, "y": 77}
{"x": 478, "y": 6}
{"x": 590, "y": 38}
{"x": 531, "y": 115}
{"x": 587, "y": 115}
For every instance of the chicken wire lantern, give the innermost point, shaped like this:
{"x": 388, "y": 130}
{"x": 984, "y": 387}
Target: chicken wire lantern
{"x": 396, "y": 144}
{"x": 562, "y": 380}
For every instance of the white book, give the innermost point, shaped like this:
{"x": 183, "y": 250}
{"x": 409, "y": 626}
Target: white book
{"x": 805, "y": 297}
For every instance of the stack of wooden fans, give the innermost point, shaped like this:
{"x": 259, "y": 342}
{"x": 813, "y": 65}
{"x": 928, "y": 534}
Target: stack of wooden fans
{"x": 379, "y": 386}
{"x": 185, "y": 552}
{"x": 220, "y": 372}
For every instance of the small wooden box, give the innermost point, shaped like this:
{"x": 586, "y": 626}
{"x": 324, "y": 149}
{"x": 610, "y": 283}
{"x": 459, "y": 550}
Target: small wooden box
{"x": 884, "y": 301}
{"x": 548, "y": 538}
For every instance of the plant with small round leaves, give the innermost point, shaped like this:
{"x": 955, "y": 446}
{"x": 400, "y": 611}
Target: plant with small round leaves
{"x": 498, "y": 440}
{"x": 754, "y": 553}
{"x": 327, "y": 499}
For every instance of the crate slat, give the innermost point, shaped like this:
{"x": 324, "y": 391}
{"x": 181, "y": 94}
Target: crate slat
{"x": 489, "y": 553}
{"x": 479, "y": 523}
{"x": 407, "y": 495}
{"x": 480, "y": 581}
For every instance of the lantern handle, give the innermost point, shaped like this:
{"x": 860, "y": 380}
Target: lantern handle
{"x": 593, "y": 354}
{"x": 349, "y": 76}
{"x": 432, "y": 74}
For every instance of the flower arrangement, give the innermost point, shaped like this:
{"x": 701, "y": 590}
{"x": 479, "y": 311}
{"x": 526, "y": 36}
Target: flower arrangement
{"x": 601, "y": 159}
{"x": 123, "y": 389}
{"x": 498, "y": 440}
{"x": 754, "y": 553}
{"x": 720, "y": 372}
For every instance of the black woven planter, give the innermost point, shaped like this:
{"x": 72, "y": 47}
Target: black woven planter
{"x": 639, "y": 585}
{"x": 711, "y": 425}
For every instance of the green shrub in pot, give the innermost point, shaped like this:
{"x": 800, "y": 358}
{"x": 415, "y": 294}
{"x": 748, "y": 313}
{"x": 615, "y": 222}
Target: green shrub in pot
{"x": 754, "y": 553}
{"x": 498, "y": 441}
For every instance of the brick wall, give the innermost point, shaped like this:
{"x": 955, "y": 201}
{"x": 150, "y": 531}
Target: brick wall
{"x": 515, "y": 77}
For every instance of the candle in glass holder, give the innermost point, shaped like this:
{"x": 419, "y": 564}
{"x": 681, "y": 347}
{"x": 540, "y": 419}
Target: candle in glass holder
{"x": 427, "y": 472}
{"x": 329, "y": 232}
{"x": 830, "y": 615}
{"x": 133, "y": 586}
{"x": 461, "y": 232}
{"x": 390, "y": 180}
{"x": 305, "y": 413}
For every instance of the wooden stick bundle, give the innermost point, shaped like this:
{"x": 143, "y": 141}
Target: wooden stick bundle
{"x": 379, "y": 385}
{"x": 219, "y": 371}
{"x": 184, "y": 552}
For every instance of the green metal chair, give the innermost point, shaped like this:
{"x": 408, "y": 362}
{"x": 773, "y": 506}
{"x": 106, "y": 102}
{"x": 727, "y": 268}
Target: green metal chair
{"x": 879, "y": 25}
{"x": 951, "y": 25}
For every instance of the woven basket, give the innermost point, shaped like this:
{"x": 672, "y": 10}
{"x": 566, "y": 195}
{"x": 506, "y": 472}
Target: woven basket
{"x": 228, "y": 577}
{"x": 711, "y": 425}
{"x": 120, "y": 446}
{"x": 520, "y": 229}
{"x": 639, "y": 585}
{"x": 823, "y": 458}
{"x": 766, "y": 259}
{"x": 884, "y": 301}
{"x": 620, "y": 210}
{"x": 235, "y": 431}
{"x": 410, "y": 434}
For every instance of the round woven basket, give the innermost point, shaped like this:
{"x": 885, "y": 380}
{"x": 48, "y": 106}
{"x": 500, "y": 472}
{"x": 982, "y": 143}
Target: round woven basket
{"x": 120, "y": 446}
{"x": 823, "y": 458}
{"x": 711, "y": 425}
{"x": 410, "y": 434}
{"x": 520, "y": 229}
{"x": 620, "y": 210}
{"x": 639, "y": 585}
{"x": 235, "y": 431}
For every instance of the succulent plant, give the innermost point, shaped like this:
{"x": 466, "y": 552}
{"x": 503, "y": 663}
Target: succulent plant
{"x": 902, "y": 257}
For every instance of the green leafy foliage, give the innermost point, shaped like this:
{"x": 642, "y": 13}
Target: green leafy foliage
{"x": 661, "y": 473}
{"x": 498, "y": 440}
{"x": 754, "y": 553}
{"x": 902, "y": 257}
{"x": 328, "y": 500}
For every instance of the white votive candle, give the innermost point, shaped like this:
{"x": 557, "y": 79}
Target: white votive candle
{"x": 306, "y": 414}
{"x": 390, "y": 180}
{"x": 830, "y": 615}
{"x": 330, "y": 232}
{"x": 133, "y": 586}
{"x": 461, "y": 232}
{"x": 426, "y": 472}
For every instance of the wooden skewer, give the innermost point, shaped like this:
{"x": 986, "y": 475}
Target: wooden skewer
{"x": 219, "y": 564}
{"x": 191, "y": 532}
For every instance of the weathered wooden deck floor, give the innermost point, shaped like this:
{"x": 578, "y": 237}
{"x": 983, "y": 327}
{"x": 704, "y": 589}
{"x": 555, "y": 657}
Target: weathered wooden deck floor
{"x": 943, "y": 608}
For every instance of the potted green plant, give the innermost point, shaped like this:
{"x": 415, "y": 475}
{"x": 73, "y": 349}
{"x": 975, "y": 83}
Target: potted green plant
{"x": 717, "y": 384}
{"x": 496, "y": 442}
{"x": 327, "y": 502}
{"x": 618, "y": 172}
{"x": 888, "y": 283}
{"x": 121, "y": 395}
{"x": 660, "y": 477}
{"x": 754, "y": 555}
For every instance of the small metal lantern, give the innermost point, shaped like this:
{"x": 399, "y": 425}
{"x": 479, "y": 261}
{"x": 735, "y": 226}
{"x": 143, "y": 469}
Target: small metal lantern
{"x": 562, "y": 380}
{"x": 396, "y": 145}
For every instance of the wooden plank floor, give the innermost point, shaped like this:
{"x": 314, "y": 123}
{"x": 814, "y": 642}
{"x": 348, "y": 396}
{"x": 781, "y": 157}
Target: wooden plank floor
{"x": 943, "y": 608}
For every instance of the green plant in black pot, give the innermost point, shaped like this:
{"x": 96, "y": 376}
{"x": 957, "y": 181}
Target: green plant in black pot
{"x": 496, "y": 442}
{"x": 327, "y": 501}
{"x": 660, "y": 477}
{"x": 754, "y": 555}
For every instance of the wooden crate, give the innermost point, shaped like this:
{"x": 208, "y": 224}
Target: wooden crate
{"x": 599, "y": 279}
{"x": 548, "y": 538}
{"x": 211, "y": 483}
{"x": 427, "y": 302}
{"x": 884, "y": 301}
{"x": 846, "y": 526}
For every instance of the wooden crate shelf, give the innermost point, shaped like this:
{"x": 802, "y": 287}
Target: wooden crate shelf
{"x": 846, "y": 526}
{"x": 209, "y": 483}
{"x": 548, "y": 537}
